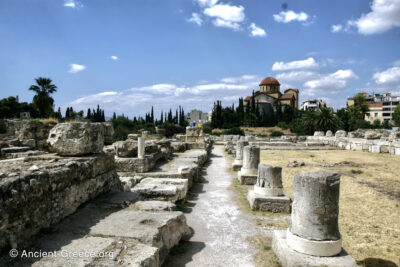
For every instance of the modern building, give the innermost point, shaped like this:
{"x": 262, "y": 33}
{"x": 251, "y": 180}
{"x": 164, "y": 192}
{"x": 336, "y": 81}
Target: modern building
{"x": 196, "y": 116}
{"x": 315, "y": 104}
{"x": 269, "y": 97}
{"x": 375, "y": 112}
{"x": 383, "y": 110}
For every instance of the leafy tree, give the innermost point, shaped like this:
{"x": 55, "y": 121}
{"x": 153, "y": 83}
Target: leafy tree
{"x": 43, "y": 100}
{"x": 396, "y": 115}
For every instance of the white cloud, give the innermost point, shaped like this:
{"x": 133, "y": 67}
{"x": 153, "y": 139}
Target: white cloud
{"x": 226, "y": 12}
{"x": 332, "y": 83}
{"x": 226, "y": 24}
{"x": 72, "y": 4}
{"x": 308, "y": 63}
{"x": 207, "y": 2}
{"x": 76, "y": 68}
{"x": 163, "y": 96}
{"x": 289, "y": 16}
{"x": 195, "y": 18}
{"x": 388, "y": 77}
{"x": 384, "y": 15}
{"x": 242, "y": 79}
{"x": 114, "y": 57}
{"x": 336, "y": 28}
{"x": 297, "y": 76}
{"x": 256, "y": 31}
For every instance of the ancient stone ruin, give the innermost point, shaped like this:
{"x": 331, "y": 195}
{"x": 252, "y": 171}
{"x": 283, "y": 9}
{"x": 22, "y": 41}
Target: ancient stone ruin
{"x": 251, "y": 159}
{"x": 313, "y": 238}
{"x": 238, "y": 163}
{"x": 267, "y": 194}
{"x": 116, "y": 199}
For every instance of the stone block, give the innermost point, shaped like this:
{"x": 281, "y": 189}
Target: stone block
{"x": 268, "y": 203}
{"x": 165, "y": 192}
{"x": 163, "y": 229}
{"x": 375, "y": 149}
{"x": 247, "y": 178}
{"x": 319, "y": 133}
{"x": 77, "y": 138}
{"x": 291, "y": 258}
{"x": 126, "y": 149}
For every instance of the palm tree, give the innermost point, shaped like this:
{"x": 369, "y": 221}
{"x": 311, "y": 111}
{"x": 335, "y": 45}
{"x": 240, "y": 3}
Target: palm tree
{"x": 42, "y": 100}
{"x": 325, "y": 120}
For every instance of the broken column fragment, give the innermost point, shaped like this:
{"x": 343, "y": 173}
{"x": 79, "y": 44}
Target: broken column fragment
{"x": 313, "y": 238}
{"x": 251, "y": 159}
{"x": 238, "y": 163}
{"x": 267, "y": 194}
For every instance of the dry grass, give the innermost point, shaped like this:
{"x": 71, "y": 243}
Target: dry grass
{"x": 49, "y": 120}
{"x": 264, "y": 131}
{"x": 369, "y": 215}
{"x": 264, "y": 221}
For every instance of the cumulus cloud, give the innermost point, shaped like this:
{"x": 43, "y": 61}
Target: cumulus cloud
{"x": 225, "y": 15}
{"x": 384, "y": 15}
{"x": 163, "y": 96}
{"x": 74, "y": 68}
{"x": 196, "y": 19}
{"x": 114, "y": 57}
{"x": 290, "y": 15}
{"x": 388, "y": 77}
{"x": 331, "y": 83}
{"x": 226, "y": 12}
{"x": 207, "y": 2}
{"x": 336, "y": 28}
{"x": 297, "y": 76}
{"x": 226, "y": 24}
{"x": 256, "y": 31}
{"x": 72, "y": 4}
{"x": 308, "y": 63}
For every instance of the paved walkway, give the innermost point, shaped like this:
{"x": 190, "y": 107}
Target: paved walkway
{"x": 220, "y": 228}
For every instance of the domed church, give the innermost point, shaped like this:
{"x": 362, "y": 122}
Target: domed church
{"x": 270, "y": 96}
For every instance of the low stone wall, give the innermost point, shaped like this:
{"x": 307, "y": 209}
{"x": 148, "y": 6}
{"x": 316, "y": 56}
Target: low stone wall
{"x": 36, "y": 193}
{"x": 374, "y": 141}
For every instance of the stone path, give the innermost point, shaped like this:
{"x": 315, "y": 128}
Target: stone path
{"x": 220, "y": 228}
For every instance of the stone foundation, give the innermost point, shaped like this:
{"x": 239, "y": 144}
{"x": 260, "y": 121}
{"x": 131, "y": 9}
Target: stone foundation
{"x": 39, "y": 192}
{"x": 290, "y": 258}
{"x": 268, "y": 203}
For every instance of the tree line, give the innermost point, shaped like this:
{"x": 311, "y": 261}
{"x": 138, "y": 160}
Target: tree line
{"x": 300, "y": 122}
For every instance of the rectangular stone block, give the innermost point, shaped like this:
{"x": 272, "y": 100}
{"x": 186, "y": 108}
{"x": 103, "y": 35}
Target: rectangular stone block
{"x": 290, "y": 258}
{"x": 268, "y": 203}
{"x": 248, "y": 179}
{"x": 375, "y": 149}
{"x": 236, "y": 167}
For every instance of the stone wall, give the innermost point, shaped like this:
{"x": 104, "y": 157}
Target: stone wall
{"x": 372, "y": 140}
{"x": 38, "y": 192}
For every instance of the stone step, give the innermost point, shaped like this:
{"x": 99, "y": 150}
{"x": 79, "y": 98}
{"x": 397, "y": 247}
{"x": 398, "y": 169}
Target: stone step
{"x": 160, "y": 191}
{"x": 14, "y": 149}
{"x": 123, "y": 237}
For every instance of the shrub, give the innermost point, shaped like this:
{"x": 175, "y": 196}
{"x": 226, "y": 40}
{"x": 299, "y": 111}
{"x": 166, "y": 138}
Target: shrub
{"x": 282, "y": 125}
{"x": 276, "y": 134}
{"x": 207, "y": 128}
{"x": 234, "y": 131}
{"x": 3, "y": 128}
{"x": 172, "y": 129}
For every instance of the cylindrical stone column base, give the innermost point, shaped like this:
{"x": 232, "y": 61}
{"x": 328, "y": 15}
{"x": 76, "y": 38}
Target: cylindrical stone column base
{"x": 238, "y": 162}
{"x": 326, "y": 248}
{"x": 141, "y": 147}
{"x": 248, "y": 171}
{"x": 273, "y": 192}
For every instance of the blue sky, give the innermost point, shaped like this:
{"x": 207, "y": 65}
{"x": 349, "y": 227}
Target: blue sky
{"x": 127, "y": 55}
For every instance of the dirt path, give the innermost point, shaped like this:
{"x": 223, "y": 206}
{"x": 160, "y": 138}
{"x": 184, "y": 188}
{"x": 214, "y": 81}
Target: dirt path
{"x": 220, "y": 228}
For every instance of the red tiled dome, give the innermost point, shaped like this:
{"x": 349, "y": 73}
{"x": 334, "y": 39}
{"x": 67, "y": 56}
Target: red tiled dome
{"x": 270, "y": 81}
